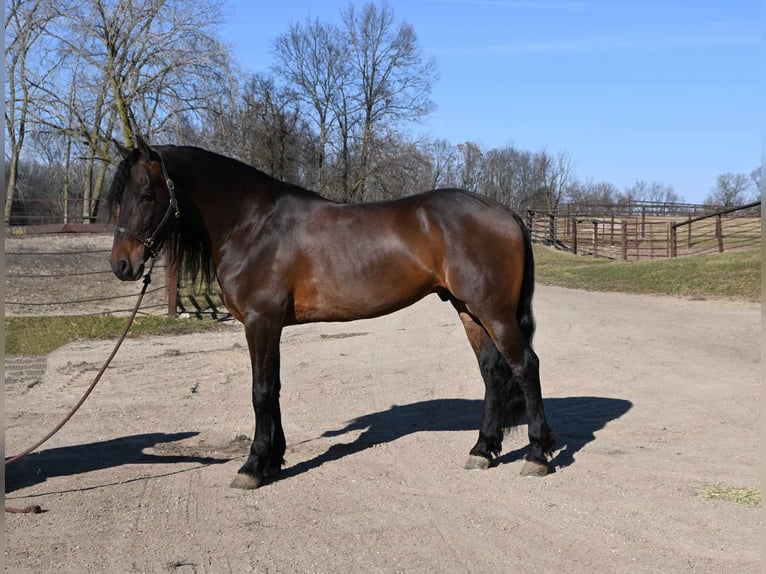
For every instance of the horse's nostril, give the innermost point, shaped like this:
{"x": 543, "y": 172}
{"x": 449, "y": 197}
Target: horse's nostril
{"x": 122, "y": 269}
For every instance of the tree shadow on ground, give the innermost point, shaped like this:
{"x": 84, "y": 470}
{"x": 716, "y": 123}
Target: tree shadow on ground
{"x": 38, "y": 467}
{"x": 575, "y": 420}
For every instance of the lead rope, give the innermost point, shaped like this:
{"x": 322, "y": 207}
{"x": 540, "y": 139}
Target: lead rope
{"x": 35, "y": 509}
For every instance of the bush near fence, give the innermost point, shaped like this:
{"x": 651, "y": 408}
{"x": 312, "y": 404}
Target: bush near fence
{"x": 648, "y": 236}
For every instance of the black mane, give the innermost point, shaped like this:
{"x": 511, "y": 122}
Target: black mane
{"x": 119, "y": 181}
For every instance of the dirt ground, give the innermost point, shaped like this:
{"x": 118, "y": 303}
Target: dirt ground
{"x": 652, "y": 400}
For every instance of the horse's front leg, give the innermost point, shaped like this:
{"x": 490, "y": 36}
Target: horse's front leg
{"x": 268, "y": 448}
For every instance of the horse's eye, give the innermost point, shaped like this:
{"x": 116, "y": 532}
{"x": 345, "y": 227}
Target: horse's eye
{"x": 145, "y": 197}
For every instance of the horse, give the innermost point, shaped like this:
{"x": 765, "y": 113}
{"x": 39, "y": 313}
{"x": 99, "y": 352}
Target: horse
{"x": 284, "y": 255}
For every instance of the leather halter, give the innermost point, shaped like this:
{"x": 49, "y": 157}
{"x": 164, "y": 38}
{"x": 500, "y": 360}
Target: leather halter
{"x": 152, "y": 244}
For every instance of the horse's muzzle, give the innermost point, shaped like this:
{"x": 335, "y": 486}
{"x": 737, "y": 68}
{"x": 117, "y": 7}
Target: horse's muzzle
{"x": 124, "y": 271}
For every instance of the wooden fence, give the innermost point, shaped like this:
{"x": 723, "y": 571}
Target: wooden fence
{"x": 64, "y": 270}
{"x": 633, "y": 208}
{"x": 649, "y": 237}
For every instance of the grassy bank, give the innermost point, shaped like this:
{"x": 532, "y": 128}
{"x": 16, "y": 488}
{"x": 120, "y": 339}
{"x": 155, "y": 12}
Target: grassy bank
{"x": 727, "y": 276}
{"x": 42, "y": 335}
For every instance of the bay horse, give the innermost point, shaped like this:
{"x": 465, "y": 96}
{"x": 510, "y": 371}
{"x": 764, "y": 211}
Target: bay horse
{"x": 284, "y": 255}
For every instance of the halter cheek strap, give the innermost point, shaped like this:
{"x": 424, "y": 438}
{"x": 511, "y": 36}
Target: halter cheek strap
{"x": 152, "y": 244}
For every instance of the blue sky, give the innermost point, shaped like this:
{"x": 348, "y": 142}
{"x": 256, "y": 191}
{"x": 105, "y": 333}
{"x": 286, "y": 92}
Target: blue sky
{"x": 659, "y": 90}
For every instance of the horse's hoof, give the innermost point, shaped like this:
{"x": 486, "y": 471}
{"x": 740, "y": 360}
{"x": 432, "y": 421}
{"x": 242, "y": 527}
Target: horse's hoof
{"x": 531, "y": 468}
{"x": 246, "y": 482}
{"x": 476, "y": 463}
{"x": 272, "y": 471}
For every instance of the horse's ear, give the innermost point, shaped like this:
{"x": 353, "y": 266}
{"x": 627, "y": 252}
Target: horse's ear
{"x": 123, "y": 151}
{"x": 143, "y": 147}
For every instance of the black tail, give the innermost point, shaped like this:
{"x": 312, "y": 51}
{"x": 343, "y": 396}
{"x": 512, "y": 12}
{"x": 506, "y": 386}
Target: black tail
{"x": 524, "y": 310}
{"x": 510, "y": 396}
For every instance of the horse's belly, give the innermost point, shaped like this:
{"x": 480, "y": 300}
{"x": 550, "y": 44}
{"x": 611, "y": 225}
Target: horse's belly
{"x": 360, "y": 299}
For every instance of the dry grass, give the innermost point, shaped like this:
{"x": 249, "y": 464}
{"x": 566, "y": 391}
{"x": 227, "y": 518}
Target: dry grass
{"x": 735, "y": 275}
{"x": 737, "y": 495}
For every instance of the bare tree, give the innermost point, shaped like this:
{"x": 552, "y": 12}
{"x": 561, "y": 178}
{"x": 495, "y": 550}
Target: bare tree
{"x": 359, "y": 82}
{"x": 25, "y": 27}
{"x": 637, "y": 191}
{"x": 589, "y": 194}
{"x": 526, "y": 179}
{"x": 731, "y": 189}
{"x": 499, "y": 174}
{"x": 133, "y": 66}
{"x": 603, "y": 193}
{"x": 394, "y": 79}
{"x": 471, "y": 166}
{"x": 260, "y": 123}
{"x": 556, "y": 173}
{"x": 271, "y": 124}
{"x": 399, "y": 168}
{"x": 311, "y": 59}
{"x": 755, "y": 176}
{"x": 655, "y": 191}
{"x": 443, "y": 158}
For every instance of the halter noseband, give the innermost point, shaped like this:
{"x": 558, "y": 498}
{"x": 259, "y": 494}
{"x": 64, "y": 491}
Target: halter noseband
{"x": 151, "y": 242}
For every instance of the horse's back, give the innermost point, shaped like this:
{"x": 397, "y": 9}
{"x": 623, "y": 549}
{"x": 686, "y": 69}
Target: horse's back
{"x": 445, "y": 210}
{"x": 363, "y": 260}
{"x": 434, "y": 225}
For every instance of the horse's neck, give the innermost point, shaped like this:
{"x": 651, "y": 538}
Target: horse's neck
{"x": 224, "y": 203}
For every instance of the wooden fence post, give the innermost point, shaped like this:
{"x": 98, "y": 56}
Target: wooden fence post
{"x": 673, "y": 239}
{"x": 552, "y": 228}
{"x": 719, "y": 232}
{"x": 624, "y": 240}
{"x": 595, "y": 238}
{"x": 643, "y": 221}
{"x": 574, "y": 235}
{"x": 689, "y": 234}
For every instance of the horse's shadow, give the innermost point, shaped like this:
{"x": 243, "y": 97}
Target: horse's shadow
{"x": 575, "y": 421}
{"x": 38, "y": 467}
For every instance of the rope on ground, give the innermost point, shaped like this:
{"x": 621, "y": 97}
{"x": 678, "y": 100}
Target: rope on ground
{"x": 10, "y": 460}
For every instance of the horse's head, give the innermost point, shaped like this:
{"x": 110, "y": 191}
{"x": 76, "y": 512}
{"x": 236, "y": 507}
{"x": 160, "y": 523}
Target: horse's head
{"x": 143, "y": 201}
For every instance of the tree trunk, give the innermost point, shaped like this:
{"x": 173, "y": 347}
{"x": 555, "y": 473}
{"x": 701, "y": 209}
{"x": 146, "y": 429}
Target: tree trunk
{"x": 67, "y": 184}
{"x": 87, "y": 187}
{"x": 13, "y": 168}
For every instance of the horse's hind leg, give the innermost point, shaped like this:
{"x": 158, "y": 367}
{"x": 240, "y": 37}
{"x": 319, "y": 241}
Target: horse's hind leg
{"x": 503, "y": 400}
{"x": 525, "y": 366}
{"x": 511, "y": 373}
